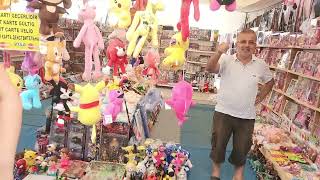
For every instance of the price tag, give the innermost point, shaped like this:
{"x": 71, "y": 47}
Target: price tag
{"x": 107, "y": 119}
{"x": 60, "y": 121}
{"x": 167, "y": 107}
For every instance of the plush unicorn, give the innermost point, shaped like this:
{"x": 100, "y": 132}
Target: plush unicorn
{"x": 31, "y": 97}
{"x": 91, "y": 36}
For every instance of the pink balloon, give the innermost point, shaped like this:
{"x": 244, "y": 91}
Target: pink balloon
{"x": 115, "y": 104}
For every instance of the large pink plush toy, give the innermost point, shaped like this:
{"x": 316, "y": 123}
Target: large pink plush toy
{"x": 91, "y": 36}
{"x": 115, "y": 104}
{"x": 181, "y": 100}
{"x": 152, "y": 60}
{"x": 117, "y": 56}
{"x": 183, "y": 25}
{"x": 230, "y": 5}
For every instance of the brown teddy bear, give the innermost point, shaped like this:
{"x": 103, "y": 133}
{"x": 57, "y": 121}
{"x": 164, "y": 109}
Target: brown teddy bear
{"x": 49, "y": 12}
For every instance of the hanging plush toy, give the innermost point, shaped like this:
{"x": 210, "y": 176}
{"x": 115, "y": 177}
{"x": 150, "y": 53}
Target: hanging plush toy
{"x": 31, "y": 97}
{"x": 115, "y": 104}
{"x": 89, "y": 109}
{"x": 5, "y": 4}
{"x": 152, "y": 60}
{"x": 231, "y": 5}
{"x": 49, "y": 13}
{"x": 175, "y": 52}
{"x": 144, "y": 24}
{"x": 181, "y": 100}
{"x": 15, "y": 79}
{"x": 120, "y": 13}
{"x": 31, "y": 62}
{"x": 117, "y": 56}
{"x": 91, "y": 36}
{"x": 183, "y": 25}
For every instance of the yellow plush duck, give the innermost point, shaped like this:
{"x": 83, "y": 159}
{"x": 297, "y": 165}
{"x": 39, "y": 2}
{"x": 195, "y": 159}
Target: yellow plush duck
{"x": 175, "y": 53}
{"x": 120, "y": 13}
{"x": 15, "y": 79}
{"x": 89, "y": 109}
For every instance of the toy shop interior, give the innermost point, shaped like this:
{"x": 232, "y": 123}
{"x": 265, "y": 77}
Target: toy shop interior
{"x": 120, "y": 89}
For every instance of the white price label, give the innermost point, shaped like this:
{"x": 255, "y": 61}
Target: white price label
{"x": 107, "y": 119}
{"x": 166, "y": 106}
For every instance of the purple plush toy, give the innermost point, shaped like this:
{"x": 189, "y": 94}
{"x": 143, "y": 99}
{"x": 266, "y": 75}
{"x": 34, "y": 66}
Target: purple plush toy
{"x": 31, "y": 62}
{"x": 115, "y": 104}
{"x": 30, "y": 9}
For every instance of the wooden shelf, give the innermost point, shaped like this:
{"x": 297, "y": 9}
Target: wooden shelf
{"x": 293, "y": 72}
{"x": 198, "y": 51}
{"x": 194, "y": 62}
{"x": 289, "y": 47}
{"x": 267, "y": 106}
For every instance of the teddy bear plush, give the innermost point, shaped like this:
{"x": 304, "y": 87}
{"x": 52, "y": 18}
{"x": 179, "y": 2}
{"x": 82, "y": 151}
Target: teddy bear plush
{"x": 230, "y": 5}
{"x": 183, "y": 24}
{"x": 91, "y": 36}
{"x": 117, "y": 56}
{"x": 31, "y": 97}
{"x": 120, "y": 13}
{"x": 175, "y": 53}
{"x": 144, "y": 25}
{"x": 49, "y": 13}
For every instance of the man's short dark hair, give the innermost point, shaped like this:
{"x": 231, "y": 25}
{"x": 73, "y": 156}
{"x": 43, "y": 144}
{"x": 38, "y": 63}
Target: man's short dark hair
{"x": 247, "y": 31}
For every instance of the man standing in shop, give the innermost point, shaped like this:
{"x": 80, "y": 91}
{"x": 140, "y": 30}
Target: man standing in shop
{"x": 238, "y": 94}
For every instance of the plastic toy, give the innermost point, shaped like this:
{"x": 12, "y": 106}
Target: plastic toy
{"x": 181, "y": 100}
{"x": 183, "y": 25}
{"x": 91, "y": 36}
{"x": 31, "y": 97}
{"x": 53, "y": 169}
{"x": 117, "y": 56}
{"x": 115, "y": 104}
{"x": 64, "y": 162}
{"x": 49, "y": 13}
{"x": 144, "y": 24}
{"x": 30, "y": 157}
{"x": 230, "y": 5}
{"x": 89, "y": 108}
{"x": 51, "y": 150}
{"x": 15, "y": 79}
{"x": 120, "y": 13}
{"x": 20, "y": 169}
{"x": 175, "y": 53}
{"x": 31, "y": 63}
{"x": 152, "y": 60}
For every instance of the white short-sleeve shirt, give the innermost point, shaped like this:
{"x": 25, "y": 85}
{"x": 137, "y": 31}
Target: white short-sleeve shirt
{"x": 239, "y": 85}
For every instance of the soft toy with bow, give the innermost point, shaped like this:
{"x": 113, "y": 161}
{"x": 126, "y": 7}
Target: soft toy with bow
{"x": 31, "y": 97}
{"x": 175, "y": 52}
{"x": 230, "y": 5}
{"x": 115, "y": 104}
{"x": 152, "y": 60}
{"x": 49, "y": 13}
{"x": 183, "y": 25}
{"x": 120, "y": 13}
{"x": 144, "y": 24}
{"x": 91, "y": 36}
{"x": 117, "y": 56}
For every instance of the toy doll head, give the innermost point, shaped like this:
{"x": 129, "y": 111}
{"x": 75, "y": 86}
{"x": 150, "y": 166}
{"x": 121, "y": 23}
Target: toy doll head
{"x": 53, "y": 160}
{"x": 64, "y": 153}
{"x": 51, "y": 147}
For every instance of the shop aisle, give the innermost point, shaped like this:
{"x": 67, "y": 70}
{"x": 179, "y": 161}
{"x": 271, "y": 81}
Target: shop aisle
{"x": 196, "y": 137}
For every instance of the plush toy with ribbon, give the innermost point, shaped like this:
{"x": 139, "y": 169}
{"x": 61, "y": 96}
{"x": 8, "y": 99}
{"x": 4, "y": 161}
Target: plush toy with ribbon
{"x": 120, "y": 13}
{"x": 31, "y": 97}
{"x": 15, "y": 79}
{"x": 91, "y": 36}
{"x": 183, "y": 25}
{"x": 181, "y": 100}
{"x": 230, "y": 5}
{"x": 152, "y": 60}
{"x": 144, "y": 24}
{"x": 31, "y": 62}
{"x": 89, "y": 109}
{"x": 115, "y": 104}
{"x": 175, "y": 53}
{"x": 117, "y": 56}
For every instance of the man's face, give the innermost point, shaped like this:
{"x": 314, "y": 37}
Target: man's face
{"x": 246, "y": 44}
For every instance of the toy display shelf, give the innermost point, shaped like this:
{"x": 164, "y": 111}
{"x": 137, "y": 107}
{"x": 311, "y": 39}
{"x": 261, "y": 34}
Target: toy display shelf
{"x": 291, "y": 47}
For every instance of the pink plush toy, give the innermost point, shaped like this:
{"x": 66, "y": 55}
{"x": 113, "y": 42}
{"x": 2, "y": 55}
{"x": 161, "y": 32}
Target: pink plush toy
{"x": 91, "y": 36}
{"x": 231, "y": 5}
{"x": 115, "y": 104}
{"x": 117, "y": 56}
{"x": 31, "y": 62}
{"x": 183, "y": 25}
{"x": 152, "y": 60}
{"x": 181, "y": 100}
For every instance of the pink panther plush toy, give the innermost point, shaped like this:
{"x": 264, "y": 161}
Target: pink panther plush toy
{"x": 230, "y": 4}
{"x": 91, "y": 36}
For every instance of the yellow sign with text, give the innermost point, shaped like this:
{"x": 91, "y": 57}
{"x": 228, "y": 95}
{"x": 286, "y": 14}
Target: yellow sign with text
{"x": 19, "y": 31}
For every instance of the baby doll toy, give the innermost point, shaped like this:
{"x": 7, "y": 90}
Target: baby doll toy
{"x": 53, "y": 168}
{"x": 31, "y": 97}
{"x": 64, "y": 162}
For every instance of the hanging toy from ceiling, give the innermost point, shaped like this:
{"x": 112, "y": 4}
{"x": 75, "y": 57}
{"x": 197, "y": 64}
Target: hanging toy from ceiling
{"x": 91, "y": 36}
{"x": 175, "y": 53}
{"x": 49, "y": 13}
{"x": 89, "y": 109}
{"x": 5, "y": 4}
{"x": 117, "y": 56}
{"x": 183, "y": 24}
{"x": 230, "y": 5}
{"x": 119, "y": 13}
{"x": 144, "y": 25}
{"x": 152, "y": 60}
{"x": 139, "y": 5}
{"x": 31, "y": 97}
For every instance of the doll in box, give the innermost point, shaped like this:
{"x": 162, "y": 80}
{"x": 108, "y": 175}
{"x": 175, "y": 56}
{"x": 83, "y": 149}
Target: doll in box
{"x": 303, "y": 118}
{"x": 53, "y": 168}
{"x": 64, "y": 155}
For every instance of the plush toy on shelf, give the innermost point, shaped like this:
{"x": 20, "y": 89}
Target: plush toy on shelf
{"x": 91, "y": 36}
{"x": 152, "y": 60}
{"x": 119, "y": 13}
{"x": 49, "y": 13}
{"x": 31, "y": 62}
{"x": 30, "y": 157}
{"x": 31, "y": 97}
{"x": 175, "y": 53}
{"x": 115, "y": 104}
{"x": 15, "y": 79}
{"x": 183, "y": 24}
{"x": 89, "y": 109}
{"x": 181, "y": 100}
{"x": 144, "y": 24}
{"x": 230, "y": 5}
{"x": 117, "y": 56}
